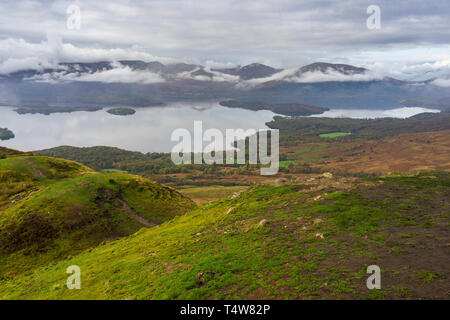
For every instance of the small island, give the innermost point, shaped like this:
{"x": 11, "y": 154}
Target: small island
{"x": 47, "y": 110}
{"x": 6, "y": 134}
{"x": 286, "y": 109}
{"x": 122, "y": 111}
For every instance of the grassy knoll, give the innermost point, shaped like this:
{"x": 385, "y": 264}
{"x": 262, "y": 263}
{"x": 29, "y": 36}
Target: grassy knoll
{"x": 312, "y": 240}
{"x": 52, "y": 208}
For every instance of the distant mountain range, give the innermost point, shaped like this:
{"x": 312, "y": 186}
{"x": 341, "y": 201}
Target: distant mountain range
{"x": 139, "y": 83}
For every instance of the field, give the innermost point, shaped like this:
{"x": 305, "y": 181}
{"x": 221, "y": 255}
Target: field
{"x": 333, "y": 135}
{"x": 410, "y": 152}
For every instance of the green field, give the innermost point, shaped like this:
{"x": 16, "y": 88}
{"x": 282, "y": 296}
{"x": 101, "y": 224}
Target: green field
{"x": 333, "y": 134}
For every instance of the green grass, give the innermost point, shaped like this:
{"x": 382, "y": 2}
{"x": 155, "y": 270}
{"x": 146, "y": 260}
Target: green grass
{"x": 114, "y": 171}
{"x": 52, "y": 208}
{"x": 427, "y": 276}
{"x": 333, "y": 134}
{"x": 307, "y": 154}
{"x": 220, "y": 250}
{"x": 57, "y": 213}
{"x": 286, "y": 163}
{"x": 211, "y": 192}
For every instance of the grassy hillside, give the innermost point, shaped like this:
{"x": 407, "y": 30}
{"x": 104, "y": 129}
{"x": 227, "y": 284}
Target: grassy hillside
{"x": 309, "y": 240}
{"x": 52, "y": 208}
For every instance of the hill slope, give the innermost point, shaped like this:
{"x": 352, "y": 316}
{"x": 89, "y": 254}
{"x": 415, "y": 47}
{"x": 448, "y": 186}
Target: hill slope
{"x": 51, "y": 208}
{"x": 312, "y": 239}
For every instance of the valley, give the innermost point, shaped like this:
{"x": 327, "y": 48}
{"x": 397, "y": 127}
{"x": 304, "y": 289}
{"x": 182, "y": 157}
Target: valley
{"x": 374, "y": 147}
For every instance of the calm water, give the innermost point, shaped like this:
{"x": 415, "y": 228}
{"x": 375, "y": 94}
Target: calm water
{"x": 149, "y": 129}
{"x": 372, "y": 114}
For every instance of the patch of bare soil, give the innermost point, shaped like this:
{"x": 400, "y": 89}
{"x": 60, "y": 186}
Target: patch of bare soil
{"x": 110, "y": 197}
{"x": 17, "y": 198}
{"x": 126, "y": 207}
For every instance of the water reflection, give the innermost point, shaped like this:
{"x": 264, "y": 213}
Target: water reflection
{"x": 148, "y": 130}
{"x": 372, "y": 114}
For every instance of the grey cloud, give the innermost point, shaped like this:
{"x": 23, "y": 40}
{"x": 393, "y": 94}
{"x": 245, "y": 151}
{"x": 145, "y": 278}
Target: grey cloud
{"x": 284, "y": 33}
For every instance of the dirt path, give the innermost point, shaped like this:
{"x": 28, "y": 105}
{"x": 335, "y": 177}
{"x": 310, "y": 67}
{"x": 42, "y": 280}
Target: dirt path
{"x": 17, "y": 198}
{"x": 135, "y": 215}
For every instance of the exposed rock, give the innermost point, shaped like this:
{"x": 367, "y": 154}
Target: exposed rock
{"x": 229, "y": 210}
{"x": 201, "y": 279}
{"x": 56, "y": 287}
{"x": 319, "y": 235}
{"x": 263, "y": 222}
{"x": 327, "y": 175}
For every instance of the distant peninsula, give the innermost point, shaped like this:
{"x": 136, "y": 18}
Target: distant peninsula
{"x": 122, "y": 111}
{"x": 49, "y": 110}
{"x": 6, "y": 134}
{"x": 287, "y": 109}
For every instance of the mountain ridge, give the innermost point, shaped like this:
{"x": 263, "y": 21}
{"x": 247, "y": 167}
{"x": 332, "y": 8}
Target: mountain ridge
{"x": 138, "y": 83}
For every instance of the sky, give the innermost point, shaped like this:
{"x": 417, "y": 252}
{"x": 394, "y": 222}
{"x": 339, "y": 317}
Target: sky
{"x": 411, "y": 43}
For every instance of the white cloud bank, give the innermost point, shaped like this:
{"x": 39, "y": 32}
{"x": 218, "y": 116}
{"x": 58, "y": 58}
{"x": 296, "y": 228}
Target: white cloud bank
{"x": 333, "y": 75}
{"x": 18, "y": 54}
{"x": 330, "y": 75}
{"x": 118, "y": 74}
{"x": 442, "y": 82}
{"x": 210, "y": 76}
